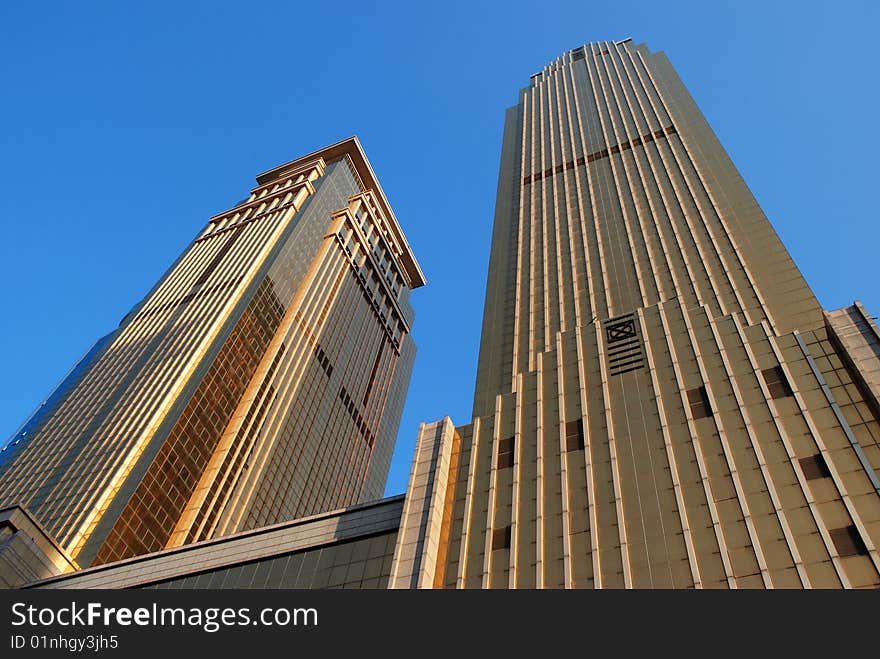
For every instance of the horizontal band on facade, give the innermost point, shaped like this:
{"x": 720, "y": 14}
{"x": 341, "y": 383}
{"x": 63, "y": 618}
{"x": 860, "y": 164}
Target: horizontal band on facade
{"x": 604, "y": 153}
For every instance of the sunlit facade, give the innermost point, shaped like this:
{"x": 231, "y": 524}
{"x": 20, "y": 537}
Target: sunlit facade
{"x": 260, "y": 381}
{"x": 660, "y": 400}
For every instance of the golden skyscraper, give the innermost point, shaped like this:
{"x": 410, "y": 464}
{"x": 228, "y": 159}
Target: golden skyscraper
{"x": 660, "y": 400}
{"x": 261, "y": 380}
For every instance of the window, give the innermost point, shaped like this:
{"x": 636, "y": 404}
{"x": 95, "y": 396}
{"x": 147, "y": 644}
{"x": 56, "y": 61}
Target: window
{"x": 574, "y": 435}
{"x": 505, "y": 453}
{"x": 814, "y": 467}
{"x": 501, "y": 538}
{"x": 698, "y": 400}
{"x": 776, "y": 382}
{"x": 848, "y": 542}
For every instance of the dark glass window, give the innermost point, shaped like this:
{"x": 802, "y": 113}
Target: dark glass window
{"x": 814, "y": 467}
{"x": 848, "y": 542}
{"x": 698, "y": 400}
{"x": 501, "y": 538}
{"x": 776, "y": 382}
{"x": 505, "y": 453}
{"x": 574, "y": 435}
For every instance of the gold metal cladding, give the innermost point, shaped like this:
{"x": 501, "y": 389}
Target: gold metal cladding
{"x": 344, "y": 319}
{"x": 618, "y": 207}
{"x": 177, "y": 335}
{"x": 101, "y": 506}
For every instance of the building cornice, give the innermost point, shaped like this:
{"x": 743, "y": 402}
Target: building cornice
{"x": 352, "y": 148}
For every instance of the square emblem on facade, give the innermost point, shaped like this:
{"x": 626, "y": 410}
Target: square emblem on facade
{"x": 620, "y": 331}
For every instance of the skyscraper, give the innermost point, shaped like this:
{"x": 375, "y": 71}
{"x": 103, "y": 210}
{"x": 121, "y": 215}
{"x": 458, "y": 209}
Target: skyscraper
{"x": 660, "y": 399}
{"x": 262, "y": 379}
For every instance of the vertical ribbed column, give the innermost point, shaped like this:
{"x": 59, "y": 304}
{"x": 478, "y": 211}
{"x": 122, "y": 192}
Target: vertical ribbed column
{"x": 415, "y": 555}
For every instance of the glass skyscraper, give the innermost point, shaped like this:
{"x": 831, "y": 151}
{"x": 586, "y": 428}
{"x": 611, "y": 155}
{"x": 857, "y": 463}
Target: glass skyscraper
{"x": 261, "y": 380}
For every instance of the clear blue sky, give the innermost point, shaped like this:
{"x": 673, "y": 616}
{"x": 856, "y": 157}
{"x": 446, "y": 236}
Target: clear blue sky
{"x": 124, "y": 126}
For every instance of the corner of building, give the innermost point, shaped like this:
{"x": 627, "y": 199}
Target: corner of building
{"x": 27, "y": 552}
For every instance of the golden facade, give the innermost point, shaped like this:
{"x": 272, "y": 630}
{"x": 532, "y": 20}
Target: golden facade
{"x": 261, "y": 380}
{"x": 660, "y": 400}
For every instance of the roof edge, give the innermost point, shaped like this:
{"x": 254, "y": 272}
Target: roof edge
{"x": 352, "y": 148}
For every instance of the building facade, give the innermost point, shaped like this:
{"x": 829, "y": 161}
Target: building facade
{"x": 260, "y": 381}
{"x": 350, "y": 548}
{"x": 660, "y": 400}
